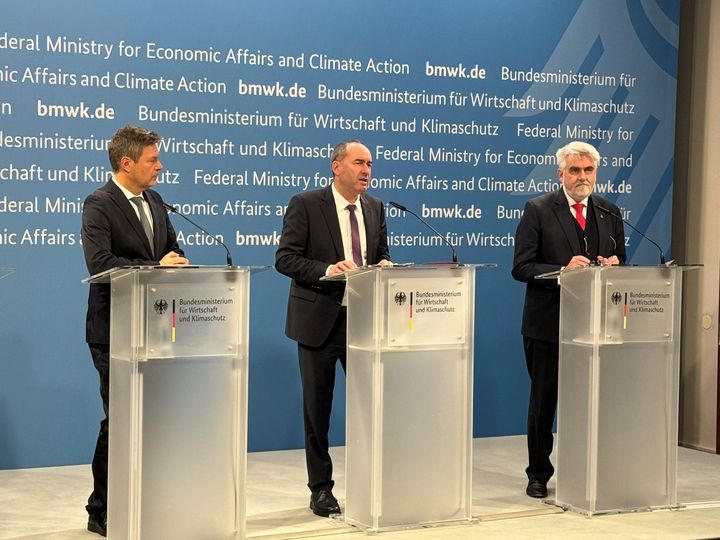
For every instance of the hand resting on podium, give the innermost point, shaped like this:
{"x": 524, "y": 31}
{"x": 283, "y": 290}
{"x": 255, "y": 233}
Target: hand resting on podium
{"x": 173, "y": 259}
{"x": 346, "y": 265}
{"x": 580, "y": 261}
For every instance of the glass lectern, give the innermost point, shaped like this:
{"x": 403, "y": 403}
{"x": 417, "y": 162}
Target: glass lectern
{"x": 618, "y": 388}
{"x": 178, "y": 402}
{"x": 409, "y": 396}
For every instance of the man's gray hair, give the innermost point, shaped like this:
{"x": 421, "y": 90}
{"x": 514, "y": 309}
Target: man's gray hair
{"x": 577, "y": 148}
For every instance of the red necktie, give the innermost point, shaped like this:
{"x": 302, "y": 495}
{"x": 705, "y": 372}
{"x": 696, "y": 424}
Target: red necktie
{"x": 579, "y": 214}
{"x": 355, "y": 236}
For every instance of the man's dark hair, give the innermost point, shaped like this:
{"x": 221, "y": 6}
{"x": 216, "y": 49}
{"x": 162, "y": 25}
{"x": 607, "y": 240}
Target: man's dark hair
{"x": 130, "y": 141}
{"x": 340, "y": 150}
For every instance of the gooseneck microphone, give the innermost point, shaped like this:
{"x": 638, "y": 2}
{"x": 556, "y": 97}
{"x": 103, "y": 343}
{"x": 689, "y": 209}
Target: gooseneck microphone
{"x": 613, "y": 214}
{"x": 404, "y": 209}
{"x": 215, "y": 238}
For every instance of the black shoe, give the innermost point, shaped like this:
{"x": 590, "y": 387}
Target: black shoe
{"x": 536, "y": 489}
{"x": 323, "y": 503}
{"x": 97, "y": 523}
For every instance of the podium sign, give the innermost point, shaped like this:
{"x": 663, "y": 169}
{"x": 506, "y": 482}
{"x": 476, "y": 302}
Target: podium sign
{"x": 198, "y": 319}
{"x": 618, "y": 388}
{"x": 409, "y": 396}
{"x": 178, "y": 402}
{"x": 426, "y": 311}
{"x": 639, "y": 312}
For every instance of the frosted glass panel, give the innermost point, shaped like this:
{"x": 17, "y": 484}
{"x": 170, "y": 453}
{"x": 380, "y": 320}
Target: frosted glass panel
{"x": 184, "y": 454}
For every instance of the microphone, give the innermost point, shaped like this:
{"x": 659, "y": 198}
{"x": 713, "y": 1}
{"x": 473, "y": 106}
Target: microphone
{"x": 216, "y": 238}
{"x": 404, "y": 209}
{"x": 613, "y": 214}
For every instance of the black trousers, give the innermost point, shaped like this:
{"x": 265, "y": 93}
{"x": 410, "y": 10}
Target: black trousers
{"x": 541, "y": 358}
{"x": 317, "y": 373}
{"x": 97, "y": 502}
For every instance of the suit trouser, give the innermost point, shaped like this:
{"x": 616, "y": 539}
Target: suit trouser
{"x": 97, "y": 502}
{"x": 541, "y": 358}
{"x": 317, "y": 373}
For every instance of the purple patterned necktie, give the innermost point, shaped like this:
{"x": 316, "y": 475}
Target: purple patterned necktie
{"x": 355, "y": 236}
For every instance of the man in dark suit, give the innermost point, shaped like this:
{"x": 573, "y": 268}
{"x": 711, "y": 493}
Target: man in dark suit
{"x": 123, "y": 223}
{"x": 559, "y": 231}
{"x": 322, "y": 236}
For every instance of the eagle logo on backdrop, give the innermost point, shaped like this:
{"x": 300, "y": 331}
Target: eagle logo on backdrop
{"x": 400, "y": 298}
{"x": 160, "y": 306}
{"x": 616, "y": 297}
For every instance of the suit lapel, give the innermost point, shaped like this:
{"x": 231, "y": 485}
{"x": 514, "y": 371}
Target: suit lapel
{"x": 329, "y": 212}
{"x": 605, "y": 233}
{"x": 128, "y": 211}
{"x": 567, "y": 222}
{"x": 370, "y": 230}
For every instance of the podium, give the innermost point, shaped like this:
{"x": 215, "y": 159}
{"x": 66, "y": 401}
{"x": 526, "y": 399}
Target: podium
{"x": 178, "y": 402}
{"x": 618, "y": 388}
{"x": 409, "y": 396}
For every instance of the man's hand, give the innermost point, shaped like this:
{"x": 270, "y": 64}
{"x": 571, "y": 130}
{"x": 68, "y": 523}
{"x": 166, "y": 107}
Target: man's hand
{"x": 342, "y": 266}
{"x": 578, "y": 261}
{"x": 608, "y": 261}
{"x": 173, "y": 259}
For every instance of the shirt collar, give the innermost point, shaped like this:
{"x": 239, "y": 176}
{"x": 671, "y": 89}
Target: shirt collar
{"x": 341, "y": 202}
{"x": 129, "y": 194}
{"x": 571, "y": 202}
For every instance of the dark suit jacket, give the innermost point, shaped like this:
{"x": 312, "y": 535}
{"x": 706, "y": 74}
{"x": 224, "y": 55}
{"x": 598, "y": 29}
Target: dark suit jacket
{"x": 112, "y": 236}
{"x": 311, "y": 241}
{"x": 546, "y": 240}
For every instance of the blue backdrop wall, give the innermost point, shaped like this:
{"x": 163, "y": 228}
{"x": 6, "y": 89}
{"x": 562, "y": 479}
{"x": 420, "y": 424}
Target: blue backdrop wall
{"x": 462, "y": 104}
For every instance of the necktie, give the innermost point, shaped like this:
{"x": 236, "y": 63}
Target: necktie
{"x": 137, "y": 201}
{"x": 355, "y": 236}
{"x": 579, "y": 214}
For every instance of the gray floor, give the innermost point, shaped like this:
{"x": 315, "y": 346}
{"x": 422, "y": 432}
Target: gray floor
{"x": 48, "y": 503}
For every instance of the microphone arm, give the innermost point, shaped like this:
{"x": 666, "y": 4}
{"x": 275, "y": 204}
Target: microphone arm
{"x": 433, "y": 229}
{"x": 613, "y": 214}
{"x": 215, "y": 238}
